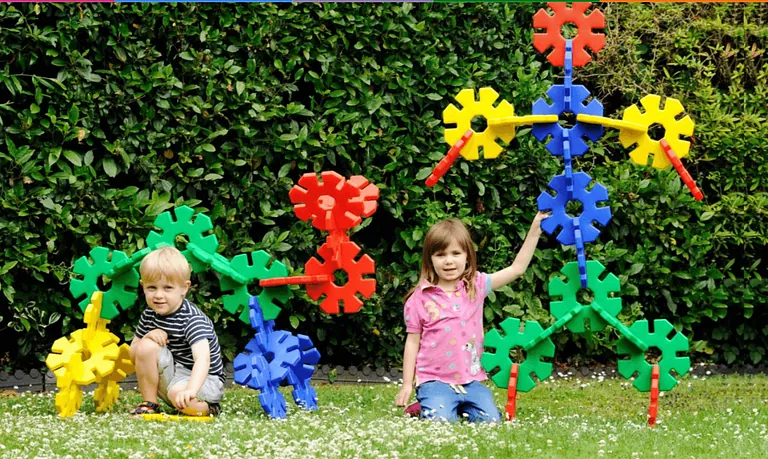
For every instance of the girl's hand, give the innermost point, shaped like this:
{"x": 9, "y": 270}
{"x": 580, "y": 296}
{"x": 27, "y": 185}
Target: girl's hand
{"x": 536, "y": 225}
{"x": 404, "y": 396}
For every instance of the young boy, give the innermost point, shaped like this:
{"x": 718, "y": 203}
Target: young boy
{"x": 175, "y": 350}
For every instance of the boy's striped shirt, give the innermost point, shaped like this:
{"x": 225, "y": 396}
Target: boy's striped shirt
{"x": 185, "y": 327}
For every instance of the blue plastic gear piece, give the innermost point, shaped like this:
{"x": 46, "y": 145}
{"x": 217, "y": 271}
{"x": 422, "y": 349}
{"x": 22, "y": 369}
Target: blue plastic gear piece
{"x": 578, "y": 95}
{"x": 272, "y": 357}
{"x": 251, "y": 370}
{"x": 273, "y": 403}
{"x": 568, "y": 164}
{"x": 299, "y": 376}
{"x": 262, "y": 327}
{"x": 590, "y": 213}
{"x": 581, "y": 256}
{"x": 568, "y": 83}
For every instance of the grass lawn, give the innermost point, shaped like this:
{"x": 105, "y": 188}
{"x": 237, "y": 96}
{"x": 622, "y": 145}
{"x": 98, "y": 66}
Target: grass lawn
{"x": 702, "y": 417}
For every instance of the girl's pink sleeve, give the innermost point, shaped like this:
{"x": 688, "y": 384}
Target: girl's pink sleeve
{"x": 412, "y": 313}
{"x": 482, "y": 285}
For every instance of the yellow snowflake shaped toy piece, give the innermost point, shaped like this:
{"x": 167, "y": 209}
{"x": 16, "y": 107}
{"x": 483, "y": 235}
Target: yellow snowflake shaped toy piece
{"x": 472, "y": 108}
{"x": 667, "y": 118}
{"x": 90, "y": 355}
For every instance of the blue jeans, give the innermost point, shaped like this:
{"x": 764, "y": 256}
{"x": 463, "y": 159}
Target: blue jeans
{"x": 449, "y": 401}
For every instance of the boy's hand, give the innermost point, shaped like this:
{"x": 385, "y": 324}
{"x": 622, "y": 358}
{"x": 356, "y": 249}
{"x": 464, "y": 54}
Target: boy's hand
{"x": 159, "y": 336}
{"x": 183, "y": 398}
{"x": 536, "y": 225}
{"x": 404, "y": 396}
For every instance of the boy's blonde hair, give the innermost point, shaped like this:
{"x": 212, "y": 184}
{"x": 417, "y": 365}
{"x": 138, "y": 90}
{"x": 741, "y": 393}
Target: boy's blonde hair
{"x": 438, "y": 238}
{"x": 165, "y": 263}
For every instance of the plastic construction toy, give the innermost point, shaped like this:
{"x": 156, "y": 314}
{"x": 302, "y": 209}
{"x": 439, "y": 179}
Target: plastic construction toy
{"x": 184, "y": 228}
{"x": 273, "y": 357}
{"x": 335, "y": 205}
{"x": 332, "y": 203}
{"x": 567, "y": 122}
{"x": 90, "y": 355}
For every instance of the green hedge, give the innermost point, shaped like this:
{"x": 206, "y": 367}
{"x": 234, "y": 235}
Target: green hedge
{"x": 113, "y": 114}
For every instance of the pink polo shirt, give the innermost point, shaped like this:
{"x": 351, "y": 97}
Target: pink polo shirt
{"x": 451, "y": 328}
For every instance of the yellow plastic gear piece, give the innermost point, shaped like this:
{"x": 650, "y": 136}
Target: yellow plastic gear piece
{"x": 673, "y": 129}
{"x": 612, "y": 123}
{"x": 62, "y": 351}
{"x": 70, "y": 397}
{"x": 106, "y": 395}
{"x": 463, "y": 120}
{"x": 101, "y": 351}
{"x": 522, "y": 120}
{"x": 68, "y": 401}
{"x": 92, "y": 316}
{"x": 109, "y": 388}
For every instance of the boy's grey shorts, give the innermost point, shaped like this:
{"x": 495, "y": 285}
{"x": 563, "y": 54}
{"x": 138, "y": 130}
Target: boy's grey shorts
{"x": 172, "y": 374}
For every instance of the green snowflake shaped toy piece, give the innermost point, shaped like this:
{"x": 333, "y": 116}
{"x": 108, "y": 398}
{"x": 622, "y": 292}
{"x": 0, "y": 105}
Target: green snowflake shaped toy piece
{"x": 270, "y": 298}
{"x": 182, "y": 224}
{"x": 669, "y": 358}
{"x": 514, "y": 338}
{"x": 117, "y": 294}
{"x": 568, "y": 291}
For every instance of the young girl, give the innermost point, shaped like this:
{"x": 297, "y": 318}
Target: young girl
{"x": 444, "y": 321}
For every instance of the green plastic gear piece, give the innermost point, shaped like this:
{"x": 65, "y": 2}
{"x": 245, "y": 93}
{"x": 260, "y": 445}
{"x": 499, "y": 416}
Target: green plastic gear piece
{"x": 270, "y": 299}
{"x": 182, "y": 224}
{"x": 669, "y": 358}
{"x": 514, "y": 338}
{"x": 568, "y": 290}
{"x": 91, "y": 272}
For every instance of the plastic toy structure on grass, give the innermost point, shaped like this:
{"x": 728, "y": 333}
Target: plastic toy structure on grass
{"x": 334, "y": 204}
{"x": 569, "y": 101}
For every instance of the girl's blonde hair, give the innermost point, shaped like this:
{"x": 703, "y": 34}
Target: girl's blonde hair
{"x": 165, "y": 263}
{"x": 440, "y": 236}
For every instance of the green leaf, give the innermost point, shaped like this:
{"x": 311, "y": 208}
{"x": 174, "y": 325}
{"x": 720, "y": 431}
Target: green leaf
{"x": 53, "y": 155}
{"x": 434, "y": 96}
{"x": 706, "y": 216}
{"x": 110, "y": 168}
{"x": 294, "y": 321}
{"x": 74, "y": 114}
{"x": 212, "y": 176}
{"x": 73, "y": 157}
{"x": 288, "y": 137}
{"x": 208, "y": 147}
{"x": 423, "y": 173}
{"x": 239, "y": 87}
{"x": 8, "y": 266}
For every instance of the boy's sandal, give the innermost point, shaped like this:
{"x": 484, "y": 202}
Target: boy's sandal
{"x": 214, "y": 409}
{"x": 145, "y": 407}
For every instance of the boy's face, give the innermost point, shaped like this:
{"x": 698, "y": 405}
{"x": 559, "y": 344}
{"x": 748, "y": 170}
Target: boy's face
{"x": 164, "y": 296}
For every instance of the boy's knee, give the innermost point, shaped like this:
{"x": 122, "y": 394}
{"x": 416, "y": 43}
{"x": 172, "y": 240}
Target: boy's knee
{"x": 144, "y": 348}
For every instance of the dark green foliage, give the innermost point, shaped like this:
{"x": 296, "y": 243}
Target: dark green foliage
{"x": 113, "y": 114}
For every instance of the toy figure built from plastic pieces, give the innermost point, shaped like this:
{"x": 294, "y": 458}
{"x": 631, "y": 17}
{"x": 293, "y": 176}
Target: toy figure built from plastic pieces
{"x": 334, "y": 204}
{"x": 576, "y": 230}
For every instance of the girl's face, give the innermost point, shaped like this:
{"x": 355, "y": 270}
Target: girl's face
{"x": 450, "y": 263}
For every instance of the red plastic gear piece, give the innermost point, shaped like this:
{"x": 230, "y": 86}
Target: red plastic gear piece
{"x": 334, "y": 203}
{"x": 512, "y": 392}
{"x": 368, "y": 191}
{"x": 355, "y": 281}
{"x": 653, "y": 409}
{"x": 553, "y": 38}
